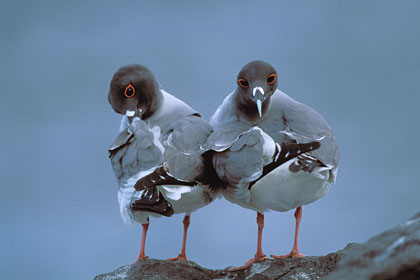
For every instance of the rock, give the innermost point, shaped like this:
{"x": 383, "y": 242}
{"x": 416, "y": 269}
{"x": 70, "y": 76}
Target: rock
{"x": 160, "y": 269}
{"x": 394, "y": 254}
{"x": 302, "y": 268}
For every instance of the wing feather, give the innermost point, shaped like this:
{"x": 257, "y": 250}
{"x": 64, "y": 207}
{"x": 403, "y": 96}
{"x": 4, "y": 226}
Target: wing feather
{"x": 134, "y": 150}
{"x": 290, "y": 120}
{"x": 243, "y": 161}
{"x": 184, "y": 147}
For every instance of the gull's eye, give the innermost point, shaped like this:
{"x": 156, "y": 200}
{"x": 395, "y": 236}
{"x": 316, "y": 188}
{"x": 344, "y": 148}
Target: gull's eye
{"x": 243, "y": 83}
{"x": 129, "y": 91}
{"x": 271, "y": 78}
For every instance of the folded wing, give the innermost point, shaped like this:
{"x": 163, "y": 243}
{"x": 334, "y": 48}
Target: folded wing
{"x": 136, "y": 152}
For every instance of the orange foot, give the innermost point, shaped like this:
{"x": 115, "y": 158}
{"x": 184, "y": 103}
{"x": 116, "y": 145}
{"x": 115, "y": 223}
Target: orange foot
{"x": 292, "y": 254}
{"x": 257, "y": 258}
{"x": 139, "y": 259}
{"x": 180, "y": 257}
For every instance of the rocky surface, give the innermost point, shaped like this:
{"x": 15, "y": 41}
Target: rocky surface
{"x": 303, "y": 268}
{"x": 394, "y": 254}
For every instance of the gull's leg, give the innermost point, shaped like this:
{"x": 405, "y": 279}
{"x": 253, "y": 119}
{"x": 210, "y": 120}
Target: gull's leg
{"x": 295, "y": 251}
{"x": 182, "y": 255}
{"x": 259, "y": 255}
{"x": 142, "y": 255}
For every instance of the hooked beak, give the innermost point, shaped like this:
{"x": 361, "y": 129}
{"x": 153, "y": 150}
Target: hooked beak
{"x": 258, "y": 94}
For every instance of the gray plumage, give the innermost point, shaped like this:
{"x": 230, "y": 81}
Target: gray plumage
{"x": 242, "y": 160}
{"x": 134, "y": 150}
{"x": 286, "y": 120}
{"x": 224, "y": 136}
{"x": 290, "y": 120}
{"x": 184, "y": 147}
{"x": 257, "y": 103}
{"x": 157, "y": 130}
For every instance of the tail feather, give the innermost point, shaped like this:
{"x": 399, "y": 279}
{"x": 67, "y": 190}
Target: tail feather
{"x": 287, "y": 152}
{"x": 160, "y": 177}
{"x": 152, "y": 200}
{"x": 308, "y": 164}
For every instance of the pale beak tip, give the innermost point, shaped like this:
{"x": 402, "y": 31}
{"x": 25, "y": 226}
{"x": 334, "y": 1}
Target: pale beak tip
{"x": 259, "y": 107}
{"x": 130, "y": 113}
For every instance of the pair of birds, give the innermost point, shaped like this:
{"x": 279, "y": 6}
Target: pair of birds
{"x": 261, "y": 150}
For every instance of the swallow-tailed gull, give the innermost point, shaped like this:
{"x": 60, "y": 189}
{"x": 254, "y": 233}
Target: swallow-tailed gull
{"x": 248, "y": 127}
{"x": 156, "y": 130}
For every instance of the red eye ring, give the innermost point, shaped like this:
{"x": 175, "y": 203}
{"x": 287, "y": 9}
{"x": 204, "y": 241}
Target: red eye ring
{"x": 271, "y": 79}
{"x": 129, "y": 91}
{"x": 243, "y": 83}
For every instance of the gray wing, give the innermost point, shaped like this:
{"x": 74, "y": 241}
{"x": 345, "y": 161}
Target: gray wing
{"x": 135, "y": 150}
{"x": 121, "y": 140}
{"x": 243, "y": 160}
{"x": 224, "y": 137}
{"x": 291, "y": 121}
{"x": 184, "y": 147}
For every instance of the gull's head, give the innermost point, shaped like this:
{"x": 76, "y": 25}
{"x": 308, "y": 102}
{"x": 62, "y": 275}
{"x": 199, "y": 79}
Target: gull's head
{"x": 134, "y": 92}
{"x": 257, "y": 82}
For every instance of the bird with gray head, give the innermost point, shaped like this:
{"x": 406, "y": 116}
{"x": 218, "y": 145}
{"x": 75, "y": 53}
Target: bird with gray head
{"x": 253, "y": 129}
{"x": 158, "y": 133}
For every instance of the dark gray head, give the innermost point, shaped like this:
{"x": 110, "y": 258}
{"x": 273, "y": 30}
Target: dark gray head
{"x": 134, "y": 91}
{"x": 257, "y": 81}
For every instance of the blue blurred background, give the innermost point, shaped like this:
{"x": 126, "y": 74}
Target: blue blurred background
{"x": 355, "y": 62}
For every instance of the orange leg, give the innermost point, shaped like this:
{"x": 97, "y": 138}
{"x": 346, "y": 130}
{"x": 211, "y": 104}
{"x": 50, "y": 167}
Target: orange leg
{"x": 182, "y": 255}
{"x": 142, "y": 255}
{"x": 259, "y": 255}
{"x": 295, "y": 251}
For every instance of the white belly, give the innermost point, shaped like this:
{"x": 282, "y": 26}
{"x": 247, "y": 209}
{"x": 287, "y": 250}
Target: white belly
{"x": 282, "y": 190}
